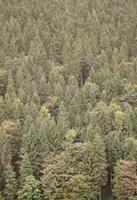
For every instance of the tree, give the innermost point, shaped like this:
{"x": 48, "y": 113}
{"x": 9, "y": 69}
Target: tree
{"x": 1, "y": 197}
{"x": 25, "y": 166}
{"x": 133, "y": 198}
{"x": 96, "y": 163}
{"x": 72, "y": 100}
{"x": 62, "y": 124}
{"x": 30, "y": 144}
{"x": 115, "y": 146}
{"x": 101, "y": 116}
{"x": 78, "y": 165}
{"x": 131, "y": 148}
{"x": 30, "y": 190}
{"x": 47, "y": 133}
{"x": 125, "y": 179}
{"x": 9, "y": 128}
{"x": 10, "y": 188}
{"x": 60, "y": 170}
{"x": 91, "y": 93}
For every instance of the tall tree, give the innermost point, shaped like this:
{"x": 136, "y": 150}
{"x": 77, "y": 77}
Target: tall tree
{"x": 31, "y": 190}
{"x": 10, "y": 188}
{"x": 125, "y": 179}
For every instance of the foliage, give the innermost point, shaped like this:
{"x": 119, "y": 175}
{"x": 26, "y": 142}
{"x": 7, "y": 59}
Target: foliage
{"x": 72, "y": 175}
{"x": 68, "y": 92}
{"x": 125, "y": 180}
{"x": 10, "y": 183}
{"x": 30, "y": 190}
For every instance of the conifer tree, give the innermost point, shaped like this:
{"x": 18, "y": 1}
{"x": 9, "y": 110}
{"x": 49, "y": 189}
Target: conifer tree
{"x": 31, "y": 190}
{"x": 30, "y": 146}
{"x": 10, "y": 188}
{"x": 96, "y": 163}
{"x": 25, "y": 166}
{"x": 62, "y": 123}
{"x": 47, "y": 135}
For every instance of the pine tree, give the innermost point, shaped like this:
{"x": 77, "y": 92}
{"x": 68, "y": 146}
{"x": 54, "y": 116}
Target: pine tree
{"x": 31, "y": 190}
{"x": 72, "y": 100}
{"x": 90, "y": 93}
{"x": 115, "y": 146}
{"x": 131, "y": 148}
{"x": 42, "y": 91}
{"x": 31, "y": 148}
{"x": 48, "y": 139}
{"x": 10, "y": 188}
{"x": 5, "y": 154}
{"x": 25, "y": 166}
{"x": 62, "y": 123}
{"x": 96, "y": 163}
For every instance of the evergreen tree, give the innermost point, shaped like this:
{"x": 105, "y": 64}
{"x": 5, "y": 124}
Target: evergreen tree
{"x": 96, "y": 163}
{"x": 25, "y": 166}
{"x": 31, "y": 190}
{"x": 10, "y": 188}
{"x": 62, "y": 123}
{"x": 68, "y": 94}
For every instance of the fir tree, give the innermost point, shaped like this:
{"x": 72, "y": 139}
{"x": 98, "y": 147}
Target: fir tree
{"x": 31, "y": 190}
{"x": 25, "y": 166}
{"x": 10, "y": 188}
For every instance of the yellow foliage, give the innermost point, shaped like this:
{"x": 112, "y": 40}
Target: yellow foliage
{"x": 119, "y": 115}
{"x": 115, "y": 106}
{"x": 130, "y": 86}
{"x": 3, "y": 73}
{"x": 44, "y": 111}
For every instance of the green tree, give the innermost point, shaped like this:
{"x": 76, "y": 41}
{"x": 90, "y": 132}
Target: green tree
{"x": 75, "y": 166}
{"x": 91, "y": 93}
{"x": 96, "y": 163}
{"x": 25, "y": 166}
{"x": 62, "y": 124}
{"x": 1, "y": 197}
{"x": 10, "y": 188}
{"x": 31, "y": 190}
{"x": 115, "y": 146}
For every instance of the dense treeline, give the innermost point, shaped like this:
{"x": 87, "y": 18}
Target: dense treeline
{"x": 68, "y": 99}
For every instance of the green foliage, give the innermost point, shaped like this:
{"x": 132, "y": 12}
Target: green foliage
{"x": 10, "y": 183}
{"x": 133, "y": 198}
{"x": 91, "y": 93}
{"x": 116, "y": 182}
{"x": 61, "y": 178}
{"x": 115, "y": 146}
{"x": 1, "y": 197}
{"x": 131, "y": 148}
{"x": 68, "y": 91}
{"x": 30, "y": 190}
{"x": 25, "y": 166}
{"x": 96, "y": 163}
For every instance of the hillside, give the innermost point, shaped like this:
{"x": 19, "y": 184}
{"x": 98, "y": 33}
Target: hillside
{"x": 68, "y": 99}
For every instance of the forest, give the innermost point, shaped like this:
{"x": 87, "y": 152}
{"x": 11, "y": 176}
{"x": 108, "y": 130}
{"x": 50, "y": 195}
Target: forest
{"x": 68, "y": 99}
